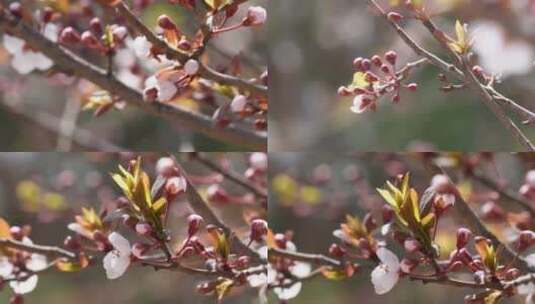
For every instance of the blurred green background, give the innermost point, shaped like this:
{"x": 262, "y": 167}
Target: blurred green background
{"x": 312, "y": 46}
{"x": 82, "y": 179}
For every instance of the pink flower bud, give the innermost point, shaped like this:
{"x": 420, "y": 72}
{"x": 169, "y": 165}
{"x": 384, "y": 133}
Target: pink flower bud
{"x": 388, "y": 213}
{"x": 376, "y": 60}
{"x": 216, "y": 194}
{"x": 143, "y": 229}
{"x": 176, "y": 185}
{"x": 259, "y": 229}
{"x": 258, "y": 161}
{"x": 477, "y": 70}
{"x": 391, "y": 57}
{"x": 150, "y": 94}
{"x": 139, "y": 249}
{"x": 412, "y": 87}
{"x": 16, "y": 9}
{"x": 96, "y": 26}
{"x": 89, "y": 40}
{"x": 366, "y": 64}
{"x": 69, "y": 36}
{"x": 337, "y": 251}
{"x": 491, "y": 211}
{"x": 16, "y": 232}
{"x": 411, "y": 245}
{"x": 344, "y": 91}
{"x": 463, "y": 236}
{"x": 357, "y": 63}
{"x": 195, "y": 222}
{"x": 165, "y": 166}
{"x": 256, "y": 15}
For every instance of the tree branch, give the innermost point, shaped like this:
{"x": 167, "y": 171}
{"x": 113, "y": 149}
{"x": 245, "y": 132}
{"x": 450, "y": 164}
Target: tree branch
{"x": 71, "y": 63}
{"x": 49, "y": 251}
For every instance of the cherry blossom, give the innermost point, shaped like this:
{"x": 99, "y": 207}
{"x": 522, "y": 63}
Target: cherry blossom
{"x": 385, "y": 276}
{"x": 25, "y": 60}
{"x": 256, "y": 15}
{"x": 116, "y": 262}
{"x": 361, "y": 103}
{"x": 238, "y": 103}
{"x": 259, "y": 160}
{"x": 191, "y": 67}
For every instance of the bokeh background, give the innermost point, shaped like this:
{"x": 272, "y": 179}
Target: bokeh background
{"x": 46, "y": 190}
{"x": 312, "y": 192}
{"x": 312, "y": 46}
{"x": 29, "y": 104}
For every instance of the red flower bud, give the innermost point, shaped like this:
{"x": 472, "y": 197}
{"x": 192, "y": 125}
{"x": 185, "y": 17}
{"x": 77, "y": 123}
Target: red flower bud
{"x": 89, "y": 40}
{"x": 166, "y": 23}
{"x": 463, "y": 236}
{"x": 391, "y": 57}
{"x": 71, "y": 243}
{"x": 195, "y": 222}
{"x": 259, "y": 228}
{"x": 69, "y": 36}
{"x": 337, "y": 251}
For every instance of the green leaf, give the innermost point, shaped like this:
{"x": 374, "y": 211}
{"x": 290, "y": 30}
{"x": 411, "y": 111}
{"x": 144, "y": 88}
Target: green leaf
{"x": 157, "y": 207}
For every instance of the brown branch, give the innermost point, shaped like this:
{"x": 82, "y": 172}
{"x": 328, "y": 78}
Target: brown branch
{"x": 49, "y": 251}
{"x": 201, "y": 207}
{"x": 231, "y": 175}
{"x": 181, "y": 57}
{"x": 71, "y": 63}
{"x": 510, "y": 195}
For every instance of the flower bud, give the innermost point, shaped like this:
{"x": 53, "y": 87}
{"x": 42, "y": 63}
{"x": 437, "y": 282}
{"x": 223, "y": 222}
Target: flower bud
{"x": 259, "y": 229}
{"x": 175, "y": 185}
{"x": 388, "y": 213}
{"x": 526, "y": 238}
{"x": 407, "y": 265}
{"x": 412, "y": 245}
{"x": 195, "y": 222}
{"x": 243, "y": 262}
{"x": 463, "y": 236}
{"x": 258, "y": 161}
{"x": 344, "y": 91}
{"x": 143, "y": 229}
{"x": 71, "y": 243}
{"x": 130, "y": 221}
{"x": 16, "y": 9}
{"x": 238, "y": 103}
{"x": 369, "y": 222}
{"x": 394, "y": 17}
{"x": 391, "y": 57}
{"x": 89, "y": 40}
{"x": 139, "y": 249}
{"x": 491, "y": 211}
{"x": 96, "y": 26}
{"x": 119, "y": 33}
{"x": 477, "y": 70}
{"x": 16, "y": 299}
{"x": 184, "y": 44}
{"x": 216, "y": 194}
{"x": 150, "y": 94}
{"x": 412, "y": 87}
{"x": 165, "y": 166}
{"x": 191, "y": 67}
{"x": 69, "y": 36}
{"x": 256, "y": 15}
{"x": 366, "y": 65}
{"x": 166, "y": 23}
{"x": 385, "y": 69}
{"x": 280, "y": 240}
{"x": 47, "y": 14}
{"x": 376, "y": 60}
{"x": 337, "y": 251}
{"x": 16, "y": 232}
{"x": 357, "y": 63}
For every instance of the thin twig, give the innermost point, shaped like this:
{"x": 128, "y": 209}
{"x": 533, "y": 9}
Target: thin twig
{"x": 50, "y": 251}
{"x": 231, "y": 175}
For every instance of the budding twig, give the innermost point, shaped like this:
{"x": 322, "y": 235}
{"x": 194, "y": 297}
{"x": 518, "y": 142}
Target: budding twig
{"x": 50, "y": 251}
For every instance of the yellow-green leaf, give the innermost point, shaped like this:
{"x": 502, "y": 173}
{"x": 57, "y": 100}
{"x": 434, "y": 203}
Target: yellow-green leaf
{"x": 157, "y": 207}
{"x": 223, "y": 288}
{"x": 334, "y": 274}
{"x": 359, "y": 81}
{"x": 4, "y": 229}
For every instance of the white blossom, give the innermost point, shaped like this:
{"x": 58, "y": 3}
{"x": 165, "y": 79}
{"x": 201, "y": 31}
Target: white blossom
{"x": 358, "y": 103}
{"x": 257, "y": 15}
{"x": 116, "y": 262}
{"x": 191, "y": 67}
{"x": 385, "y": 276}
{"x": 25, "y": 60}
{"x": 258, "y": 160}
{"x": 238, "y": 103}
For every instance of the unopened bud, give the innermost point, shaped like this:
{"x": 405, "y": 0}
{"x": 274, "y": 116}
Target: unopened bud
{"x": 195, "y": 222}
{"x": 259, "y": 229}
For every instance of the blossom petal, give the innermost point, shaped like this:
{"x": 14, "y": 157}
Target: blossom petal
{"x": 120, "y": 243}
{"x": 300, "y": 269}
{"x": 23, "y": 287}
{"x": 115, "y": 264}
{"x": 288, "y": 292}
{"x": 21, "y": 64}
{"x": 13, "y": 44}
{"x": 388, "y": 258}
{"x": 6, "y": 268}
{"x": 37, "y": 262}
{"x": 383, "y": 280}
{"x": 257, "y": 280}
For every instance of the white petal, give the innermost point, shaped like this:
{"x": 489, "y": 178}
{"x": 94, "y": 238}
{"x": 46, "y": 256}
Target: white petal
{"x": 51, "y": 32}
{"x": 530, "y": 259}
{"x": 41, "y": 62}
{"x": 288, "y": 292}
{"x": 6, "y": 268}
{"x": 388, "y": 258}
{"x": 13, "y": 44}
{"x": 24, "y": 286}
{"x": 115, "y": 264}
{"x": 257, "y": 280}
{"x": 357, "y": 104}
{"x": 141, "y": 46}
{"x": 263, "y": 252}
{"x": 120, "y": 243}
{"x": 300, "y": 269}
{"x": 271, "y": 274}
{"x": 37, "y": 262}
{"x": 166, "y": 90}
{"x": 290, "y": 246}
{"x": 21, "y": 64}
{"x": 383, "y": 280}
{"x": 525, "y": 289}
{"x": 259, "y": 160}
